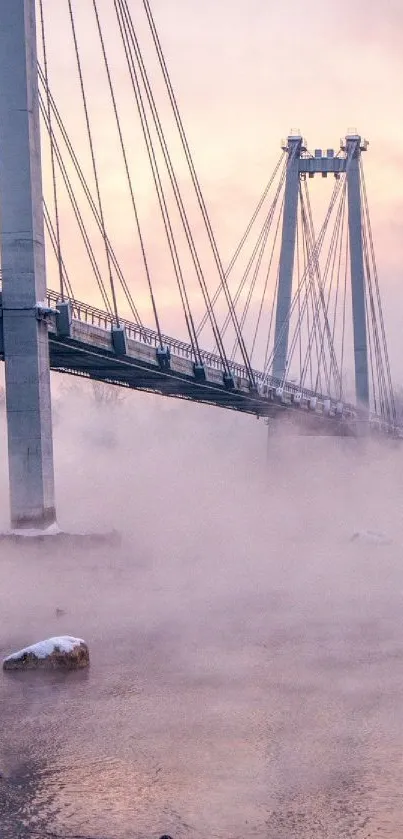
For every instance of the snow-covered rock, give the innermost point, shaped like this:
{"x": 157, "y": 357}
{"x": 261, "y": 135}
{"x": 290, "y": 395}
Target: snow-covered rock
{"x": 64, "y": 653}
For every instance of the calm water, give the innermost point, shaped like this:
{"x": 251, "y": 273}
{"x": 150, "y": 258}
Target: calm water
{"x": 219, "y": 703}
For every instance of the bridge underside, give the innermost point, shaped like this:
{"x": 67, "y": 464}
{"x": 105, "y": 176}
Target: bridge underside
{"x": 67, "y": 356}
{"x": 93, "y": 357}
{"x": 73, "y": 359}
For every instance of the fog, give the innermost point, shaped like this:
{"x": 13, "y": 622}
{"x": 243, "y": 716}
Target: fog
{"x": 247, "y": 659}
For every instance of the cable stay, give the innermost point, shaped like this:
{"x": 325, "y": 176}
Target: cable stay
{"x": 55, "y": 242}
{"x": 78, "y": 215}
{"x": 127, "y": 170}
{"x": 129, "y": 41}
{"x": 258, "y": 264}
{"x": 377, "y": 309}
{"x": 321, "y": 306}
{"x": 88, "y": 195}
{"x": 307, "y": 280}
{"x": 256, "y": 257}
{"x": 129, "y": 31}
{"x": 312, "y": 298}
{"x": 244, "y": 239}
{"x": 265, "y": 287}
{"x": 257, "y": 271}
{"x": 93, "y": 158}
{"x": 198, "y": 190}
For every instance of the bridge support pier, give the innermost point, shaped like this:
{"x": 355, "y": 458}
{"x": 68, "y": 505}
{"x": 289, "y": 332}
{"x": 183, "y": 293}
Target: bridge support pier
{"x": 354, "y": 148}
{"x": 26, "y": 352}
{"x": 293, "y": 148}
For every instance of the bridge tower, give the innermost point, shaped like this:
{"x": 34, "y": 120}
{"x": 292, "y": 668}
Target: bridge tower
{"x": 353, "y": 147}
{"x": 24, "y": 333}
{"x": 300, "y": 164}
{"x": 293, "y": 147}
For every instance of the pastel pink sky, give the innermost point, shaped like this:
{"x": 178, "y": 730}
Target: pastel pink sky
{"x": 245, "y": 72}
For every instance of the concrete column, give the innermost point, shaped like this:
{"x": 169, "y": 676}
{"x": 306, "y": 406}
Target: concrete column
{"x": 287, "y": 254}
{"x": 26, "y": 350}
{"x": 353, "y": 148}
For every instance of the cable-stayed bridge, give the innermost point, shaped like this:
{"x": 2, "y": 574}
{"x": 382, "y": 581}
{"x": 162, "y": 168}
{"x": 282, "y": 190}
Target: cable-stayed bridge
{"x": 101, "y": 201}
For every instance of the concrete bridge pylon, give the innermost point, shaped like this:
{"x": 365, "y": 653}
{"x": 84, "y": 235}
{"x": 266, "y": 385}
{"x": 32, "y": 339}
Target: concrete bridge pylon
{"x": 22, "y": 243}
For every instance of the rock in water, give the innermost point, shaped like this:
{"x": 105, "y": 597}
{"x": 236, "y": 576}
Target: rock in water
{"x": 63, "y": 653}
{"x": 371, "y": 537}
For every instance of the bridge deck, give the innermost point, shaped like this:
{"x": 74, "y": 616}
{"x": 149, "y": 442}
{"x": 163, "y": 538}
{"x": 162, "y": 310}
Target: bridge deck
{"x": 88, "y": 350}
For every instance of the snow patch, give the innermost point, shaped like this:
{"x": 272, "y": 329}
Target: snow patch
{"x": 65, "y": 644}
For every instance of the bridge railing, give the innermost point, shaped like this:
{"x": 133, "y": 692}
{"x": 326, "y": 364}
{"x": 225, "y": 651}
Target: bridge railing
{"x": 97, "y": 317}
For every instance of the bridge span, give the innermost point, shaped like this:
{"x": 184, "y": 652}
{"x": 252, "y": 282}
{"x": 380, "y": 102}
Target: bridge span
{"x": 83, "y": 341}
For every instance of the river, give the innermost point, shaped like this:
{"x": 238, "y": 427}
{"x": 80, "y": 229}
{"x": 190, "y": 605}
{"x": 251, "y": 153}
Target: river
{"x": 246, "y": 675}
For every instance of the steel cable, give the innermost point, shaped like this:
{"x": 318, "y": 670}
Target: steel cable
{"x": 93, "y": 158}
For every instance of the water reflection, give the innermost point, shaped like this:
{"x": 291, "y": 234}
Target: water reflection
{"x": 272, "y": 728}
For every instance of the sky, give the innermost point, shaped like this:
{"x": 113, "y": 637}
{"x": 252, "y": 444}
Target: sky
{"x": 245, "y": 73}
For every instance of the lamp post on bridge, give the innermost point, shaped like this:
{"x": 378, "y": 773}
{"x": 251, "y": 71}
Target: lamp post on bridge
{"x": 24, "y": 333}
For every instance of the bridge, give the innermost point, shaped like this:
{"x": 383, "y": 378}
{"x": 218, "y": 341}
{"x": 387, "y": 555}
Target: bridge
{"x": 300, "y": 285}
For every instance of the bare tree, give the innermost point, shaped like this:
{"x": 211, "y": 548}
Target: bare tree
{"x": 106, "y": 394}
{"x": 102, "y": 392}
